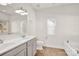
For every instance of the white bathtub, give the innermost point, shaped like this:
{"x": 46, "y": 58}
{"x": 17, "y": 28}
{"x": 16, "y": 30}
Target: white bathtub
{"x": 70, "y": 49}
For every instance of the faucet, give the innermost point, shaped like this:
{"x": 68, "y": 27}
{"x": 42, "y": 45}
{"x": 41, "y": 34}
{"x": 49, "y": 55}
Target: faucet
{"x": 1, "y": 41}
{"x": 23, "y": 36}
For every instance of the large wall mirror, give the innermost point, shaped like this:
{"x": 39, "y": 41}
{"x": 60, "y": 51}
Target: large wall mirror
{"x": 3, "y": 26}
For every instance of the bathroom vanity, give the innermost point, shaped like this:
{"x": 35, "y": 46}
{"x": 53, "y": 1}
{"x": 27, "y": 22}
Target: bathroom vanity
{"x": 21, "y": 47}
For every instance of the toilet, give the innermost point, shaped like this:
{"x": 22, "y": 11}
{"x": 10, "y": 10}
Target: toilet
{"x": 40, "y": 45}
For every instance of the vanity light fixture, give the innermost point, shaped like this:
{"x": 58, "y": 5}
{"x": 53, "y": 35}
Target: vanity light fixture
{"x": 21, "y": 11}
{"x": 24, "y": 13}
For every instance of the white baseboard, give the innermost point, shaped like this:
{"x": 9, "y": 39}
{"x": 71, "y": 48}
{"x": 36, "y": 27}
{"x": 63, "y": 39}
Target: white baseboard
{"x": 54, "y": 46}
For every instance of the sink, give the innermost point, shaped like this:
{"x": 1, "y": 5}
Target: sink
{"x": 5, "y": 40}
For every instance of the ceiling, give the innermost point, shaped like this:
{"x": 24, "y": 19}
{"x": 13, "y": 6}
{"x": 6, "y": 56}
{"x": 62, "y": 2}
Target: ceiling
{"x": 38, "y": 6}
{"x": 11, "y": 7}
{"x": 46, "y": 5}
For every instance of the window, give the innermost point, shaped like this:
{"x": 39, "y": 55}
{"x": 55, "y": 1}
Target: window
{"x": 51, "y": 24}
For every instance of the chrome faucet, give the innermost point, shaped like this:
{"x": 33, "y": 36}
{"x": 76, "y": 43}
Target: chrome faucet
{"x": 23, "y": 36}
{"x": 1, "y": 41}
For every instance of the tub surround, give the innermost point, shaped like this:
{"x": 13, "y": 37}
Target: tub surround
{"x": 5, "y": 47}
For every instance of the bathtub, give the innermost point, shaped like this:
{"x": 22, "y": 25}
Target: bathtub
{"x": 71, "y": 49}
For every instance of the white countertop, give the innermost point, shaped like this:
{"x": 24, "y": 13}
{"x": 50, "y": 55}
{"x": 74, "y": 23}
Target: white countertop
{"x": 10, "y": 45}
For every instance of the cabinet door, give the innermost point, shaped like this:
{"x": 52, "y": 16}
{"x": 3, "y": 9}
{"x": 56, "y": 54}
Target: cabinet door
{"x": 31, "y": 47}
{"x": 29, "y": 53}
{"x": 34, "y": 46}
{"x": 16, "y": 50}
{"x": 21, "y": 53}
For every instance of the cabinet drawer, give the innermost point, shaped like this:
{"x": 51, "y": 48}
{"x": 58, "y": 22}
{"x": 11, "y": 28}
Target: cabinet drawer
{"x": 21, "y": 53}
{"x": 31, "y": 47}
{"x": 16, "y": 50}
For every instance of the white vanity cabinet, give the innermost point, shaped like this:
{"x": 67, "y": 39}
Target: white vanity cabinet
{"x": 18, "y": 51}
{"x": 26, "y": 49}
{"x": 31, "y": 47}
{"x": 34, "y": 46}
{"x": 21, "y": 53}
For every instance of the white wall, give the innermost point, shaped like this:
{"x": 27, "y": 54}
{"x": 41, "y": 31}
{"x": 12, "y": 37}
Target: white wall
{"x": 31, "y": 22}
{"x": 67, "y": 25}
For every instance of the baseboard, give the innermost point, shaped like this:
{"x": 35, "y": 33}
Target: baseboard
{"x": 51, "y": 46}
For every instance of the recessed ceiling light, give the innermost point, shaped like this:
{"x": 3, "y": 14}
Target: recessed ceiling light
{"x": 38, "y": 5}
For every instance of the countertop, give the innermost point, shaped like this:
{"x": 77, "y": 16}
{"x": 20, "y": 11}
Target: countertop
{"x": 4, "y": 47}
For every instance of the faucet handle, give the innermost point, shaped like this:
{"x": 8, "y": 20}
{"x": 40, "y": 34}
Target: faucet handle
{"x": 23, "y": 36}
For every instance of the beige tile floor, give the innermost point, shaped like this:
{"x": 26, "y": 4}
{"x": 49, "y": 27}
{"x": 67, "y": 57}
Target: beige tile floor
{"x": 47, "y": 51}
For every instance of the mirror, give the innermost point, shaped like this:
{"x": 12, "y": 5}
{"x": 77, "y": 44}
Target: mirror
{"x": 3, "y": 26}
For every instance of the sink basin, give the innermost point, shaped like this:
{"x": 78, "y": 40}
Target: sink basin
{"x": 6, "y": 39}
